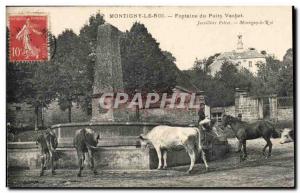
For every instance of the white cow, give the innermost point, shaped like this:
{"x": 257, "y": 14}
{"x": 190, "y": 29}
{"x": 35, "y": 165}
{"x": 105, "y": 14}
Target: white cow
{"x": 165, "y": 138}
{"x": 286, "y": 135}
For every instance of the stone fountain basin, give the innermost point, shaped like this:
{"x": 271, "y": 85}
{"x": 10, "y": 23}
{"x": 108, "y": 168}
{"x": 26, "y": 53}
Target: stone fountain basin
{"x": 119, "y": 148}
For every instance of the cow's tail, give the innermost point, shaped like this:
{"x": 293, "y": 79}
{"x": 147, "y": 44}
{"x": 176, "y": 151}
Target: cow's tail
{"x": 85, "y": 140}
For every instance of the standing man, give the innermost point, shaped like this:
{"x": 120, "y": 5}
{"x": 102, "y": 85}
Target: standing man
{"x": 203, "y": 122}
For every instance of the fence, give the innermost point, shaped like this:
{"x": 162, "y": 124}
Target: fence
{"x": 285, "y": 102}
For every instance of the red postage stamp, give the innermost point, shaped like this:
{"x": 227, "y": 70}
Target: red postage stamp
{"x": 28, "y": 38}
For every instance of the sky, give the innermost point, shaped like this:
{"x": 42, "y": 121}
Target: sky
{"x": 187, "y": 32}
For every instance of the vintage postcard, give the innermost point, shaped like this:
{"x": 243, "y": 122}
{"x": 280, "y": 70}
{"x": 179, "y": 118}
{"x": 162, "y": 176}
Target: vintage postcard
{"x": 150, "y": 97}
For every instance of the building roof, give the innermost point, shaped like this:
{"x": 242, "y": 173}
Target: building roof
{"x": 247, "y": 54}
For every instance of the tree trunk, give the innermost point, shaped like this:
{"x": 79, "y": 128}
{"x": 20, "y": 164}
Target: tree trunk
{"x": 36, "y": 112}
{"x": 69, "y": 112}
{"x": 42, "y": 117}
{"x": 137, "y": 113}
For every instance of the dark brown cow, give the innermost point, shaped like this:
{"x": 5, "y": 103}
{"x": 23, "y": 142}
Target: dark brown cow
{"x": 85, "y": 141}
{"x": 47, "y": 142}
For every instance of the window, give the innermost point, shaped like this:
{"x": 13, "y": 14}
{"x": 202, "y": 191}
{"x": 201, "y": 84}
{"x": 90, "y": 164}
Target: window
{"x": 250, "y": 64}
{"x": 217, "y": 116}
{"x": 18, "y": 108}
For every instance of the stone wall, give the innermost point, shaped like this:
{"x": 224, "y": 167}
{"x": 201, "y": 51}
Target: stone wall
{"x": 20, "y": 115}
{"x": 169, "y": 115}
{"x": 54, "y": 115}
{"x": 230, "y": 110}
{"x": 247, "y": 106}
{"x": 254, "y": 108}
{"x": 25, "y": 155}
{"x": 286, "y": 114}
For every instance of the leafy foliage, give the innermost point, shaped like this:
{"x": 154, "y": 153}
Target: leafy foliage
{"x": 87, "y": 42}
{"x": 145, "y": 66}
{"x": 68, "y": 76}
{"x": 274, "y": 77}
{"x": 286, "y": 77}
{"x": 32, "y": 82}
{"x": 70, "y": 72}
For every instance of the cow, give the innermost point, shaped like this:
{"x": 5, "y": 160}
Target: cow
{"x": 165, "y": 138}
{"x": 287, "y": 135}
{"x": 85, "y": 141}
{"x": 47, "y": 142}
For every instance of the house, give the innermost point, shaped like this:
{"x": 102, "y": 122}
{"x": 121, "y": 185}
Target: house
{"x": 242, "y": 58}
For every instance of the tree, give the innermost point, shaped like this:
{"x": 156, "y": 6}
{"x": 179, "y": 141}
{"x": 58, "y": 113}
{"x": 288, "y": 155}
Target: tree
{"x": 67, "y": 76}
{"x": 88, "y": 43}
{"x": 267, "y": 81}
{"x": 286, "y": 79}
{"x": 72, "y": 75}
{"x": 169, "y": 56}
{"x": 220, "y": 89}
{"x": 274, "y": 77}
{"x": 32, "y": 82}
{"x": 199, "y": 75}
{"x": 204, "y": 64}
{"x": 145, "y": 67}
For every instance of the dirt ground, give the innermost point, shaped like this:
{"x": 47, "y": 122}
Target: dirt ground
{"x": 256, "y": 171}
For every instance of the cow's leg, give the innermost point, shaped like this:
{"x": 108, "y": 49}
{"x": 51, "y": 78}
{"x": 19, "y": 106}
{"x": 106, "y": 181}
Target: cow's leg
{"x": 43, "y": 157}
{"x": 158, "y": 151}
{"x": 46, "y": 160}
{"x": 239, "y": 147}
{"x": 51, "y": 162}
{"x": 81, "y": 158}
{"x": 204, "y": 159}
{"x": 165, "y": 159}
{"x": 244, "y": 150}
{"x": 270, "y": 146}
{"x": 192, "y": 155}
{"x": 91, "y": 158}
{"x": 264, "y": 149}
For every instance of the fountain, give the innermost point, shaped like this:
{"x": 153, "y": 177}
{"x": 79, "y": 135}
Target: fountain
{"x": 119, "y": 147}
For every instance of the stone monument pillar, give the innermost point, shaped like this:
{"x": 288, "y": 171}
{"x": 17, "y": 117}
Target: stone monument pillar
{"x": 108, "y": 76}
